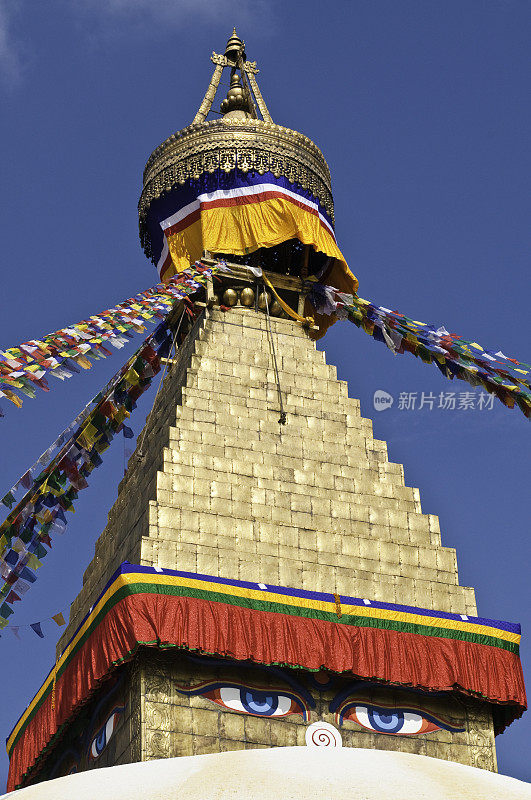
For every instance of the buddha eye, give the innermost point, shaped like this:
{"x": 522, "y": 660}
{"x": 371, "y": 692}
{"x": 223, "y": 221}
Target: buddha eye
{"x": 394, "y": 721}
{"x": 104, "y": 735}
{"x": 260, "y": 702}
{"x": 387, "y": 720}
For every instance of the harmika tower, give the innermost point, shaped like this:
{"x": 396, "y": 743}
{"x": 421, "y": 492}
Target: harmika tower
{"x": 265, "y": 578}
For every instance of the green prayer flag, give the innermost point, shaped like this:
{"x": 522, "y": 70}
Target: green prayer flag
{"x": 41, "y": 551}
{"x": 26, "y": 535}
{"x": 8, "y": 500}
{"x": 5, "y": 611}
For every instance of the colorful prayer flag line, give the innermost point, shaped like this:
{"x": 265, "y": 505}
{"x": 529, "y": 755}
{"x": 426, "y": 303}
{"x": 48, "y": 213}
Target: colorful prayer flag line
{"x": 62, "y": 353}
{"x": 36, "y": 627}
{"x": 506, "y": 378}
{"x": 26, "y": 481}
{"x": 42, "y": 511}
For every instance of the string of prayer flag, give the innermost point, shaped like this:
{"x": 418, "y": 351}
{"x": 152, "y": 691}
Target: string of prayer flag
{"x": 26, "y": 480}
{"x": 37, "y": 627}
{"x": 506, "y": 378}
{"x": 25, "y": 368}
{"x": 27, "y": 532}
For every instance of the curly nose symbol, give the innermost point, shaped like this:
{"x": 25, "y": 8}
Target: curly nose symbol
{"x": 322, "y": 734}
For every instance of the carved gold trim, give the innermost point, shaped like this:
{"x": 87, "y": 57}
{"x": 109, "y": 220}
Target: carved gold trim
{"x": 246, "y": 145}
{"x": 249, "y": 66}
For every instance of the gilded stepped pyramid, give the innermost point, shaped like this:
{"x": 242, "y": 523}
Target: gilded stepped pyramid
{"x": 223, "y": 489}
{"x": 265, "y": 579}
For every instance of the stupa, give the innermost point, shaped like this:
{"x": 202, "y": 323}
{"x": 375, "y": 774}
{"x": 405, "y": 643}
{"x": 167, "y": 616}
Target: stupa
{"x": 266, "y": 578}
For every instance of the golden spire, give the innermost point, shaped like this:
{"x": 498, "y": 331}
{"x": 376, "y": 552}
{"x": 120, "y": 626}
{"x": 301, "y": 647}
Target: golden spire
{"x": 234, "y": 58}
{"x": 235, "y": 48}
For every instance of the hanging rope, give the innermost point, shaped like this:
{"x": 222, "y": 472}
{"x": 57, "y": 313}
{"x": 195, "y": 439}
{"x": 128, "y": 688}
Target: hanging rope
{"x": 282, "y": 419}
{"x": 304, "y": 321}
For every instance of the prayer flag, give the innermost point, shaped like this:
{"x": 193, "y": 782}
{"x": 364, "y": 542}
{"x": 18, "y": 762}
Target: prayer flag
{"x": 36, "y": 626}
{"x": 5, "y": 611}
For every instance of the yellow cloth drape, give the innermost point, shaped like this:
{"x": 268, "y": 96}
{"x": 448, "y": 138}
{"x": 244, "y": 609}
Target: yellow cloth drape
{"x": 243, "y": 228}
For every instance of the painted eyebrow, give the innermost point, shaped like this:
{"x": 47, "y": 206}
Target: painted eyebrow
{"x": 345, "y": 693}
{"x": 294, "y": 684}
{"x": 355, "y": 687}
{"x": 276, "y": 671}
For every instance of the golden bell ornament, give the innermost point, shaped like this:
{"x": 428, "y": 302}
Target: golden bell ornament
{"x": 230, "y": 297}
{"x": 247, "y": 296}
{"x": 264, "y": 299}
{"x": 275, "y": 309}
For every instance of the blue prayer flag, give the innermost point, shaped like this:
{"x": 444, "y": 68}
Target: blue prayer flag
{"x": 37, "y": 628}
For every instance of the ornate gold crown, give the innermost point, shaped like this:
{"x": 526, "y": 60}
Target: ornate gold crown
{"x": 239, "y": 140}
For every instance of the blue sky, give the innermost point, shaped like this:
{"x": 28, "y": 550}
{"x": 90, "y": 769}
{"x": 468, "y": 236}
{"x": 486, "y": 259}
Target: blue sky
{"x": 421, "y": 109}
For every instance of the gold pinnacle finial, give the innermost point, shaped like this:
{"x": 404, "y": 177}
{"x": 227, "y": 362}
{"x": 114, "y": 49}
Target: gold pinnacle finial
{"x": 235, "y": 48}
{"x": 236, "y": 104}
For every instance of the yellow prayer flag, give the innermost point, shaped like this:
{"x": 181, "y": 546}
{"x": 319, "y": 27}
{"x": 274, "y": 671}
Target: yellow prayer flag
{"x": 83, "y": 362}
{"x": 89, "y": 433}
{"x": 59, "y": 619}
{"x": 33, "y": 561}
{"x": 121, "y": 415}
{"x": 102, "y": 446}
{"x": 13, "y": 397}
{"x": 131, "y": 376}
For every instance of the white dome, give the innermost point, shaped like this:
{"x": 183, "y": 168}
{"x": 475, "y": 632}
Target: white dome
{"x": 284, "y": 773}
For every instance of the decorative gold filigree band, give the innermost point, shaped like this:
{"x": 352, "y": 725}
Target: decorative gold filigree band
{"x": 252, "y": 145}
